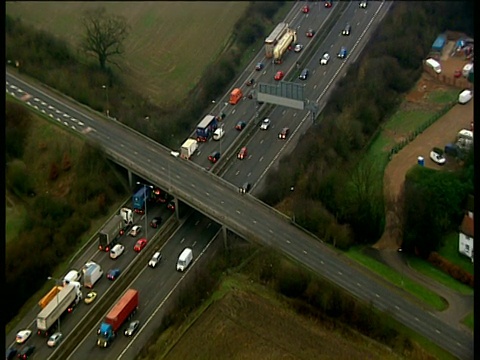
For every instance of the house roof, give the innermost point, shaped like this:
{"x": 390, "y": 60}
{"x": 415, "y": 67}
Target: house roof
{"x": 467, "y": 226}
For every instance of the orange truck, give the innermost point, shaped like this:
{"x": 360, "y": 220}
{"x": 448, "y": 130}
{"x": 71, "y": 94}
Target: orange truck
{"x": 235, "y": 96}
{"x": 49, "y": 297}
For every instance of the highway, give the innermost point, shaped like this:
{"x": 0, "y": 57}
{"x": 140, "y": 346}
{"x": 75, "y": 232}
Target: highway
{"x": 220, "y": 200}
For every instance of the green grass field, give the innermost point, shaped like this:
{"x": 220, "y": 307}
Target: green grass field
{"x": 170, "y": 43}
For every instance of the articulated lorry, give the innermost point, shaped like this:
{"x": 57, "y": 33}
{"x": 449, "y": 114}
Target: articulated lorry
{"x": 65, "y": 301}
{"x": 50, "y": 296}
{"x": 283, "y": 44}
{"x": 120, "y": 313}
{"x": 188, "y": 148}
{"x": 114, "y": 228}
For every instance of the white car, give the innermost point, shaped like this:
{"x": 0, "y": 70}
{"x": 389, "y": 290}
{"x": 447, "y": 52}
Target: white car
{"x": 325, "y": 58}
{"x": 437, "y": 156}
{"x": 155, "y": 259}
{"x": 116, "y": 251}
{"x": 265, "y": 124}
{"x": 298, "y": 48}
{"x": 55, "y": 339}
{"x": 136, "y": 229}
{"x": 23, "y": 336}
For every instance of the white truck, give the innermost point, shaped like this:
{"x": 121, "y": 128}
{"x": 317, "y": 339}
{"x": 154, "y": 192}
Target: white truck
{"x": 93, "y": 273}
{"x": 63, "y": 302}
{"x": 188, "y": 148}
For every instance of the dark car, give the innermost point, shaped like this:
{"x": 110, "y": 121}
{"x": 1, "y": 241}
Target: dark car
{"x": 259, "y": 66}
{"x": 328, "y": 4}
{"x": 113, "y": 274}
{"x": 250, "y": 82}
{"x": 342, "y": 54}
{"x": 347, "y": 30}
{"x": 310, "y": 33}
{"x": 303, "y": 75}
{"x": 240, "y": 125}
{"x": 11, "y": 353}
{"x": 213, "y": 157}
{"x": 244, "y": 188}
{"x": 26, "y": 352}
{"x": 171, "y": 205}
{"x": 156, "y": 221}
{"x": 284, "y": 133}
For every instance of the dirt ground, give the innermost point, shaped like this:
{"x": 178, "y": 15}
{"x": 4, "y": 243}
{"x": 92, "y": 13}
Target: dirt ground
{"x": 231, "y": 328}
{"x": 443, "y": 131}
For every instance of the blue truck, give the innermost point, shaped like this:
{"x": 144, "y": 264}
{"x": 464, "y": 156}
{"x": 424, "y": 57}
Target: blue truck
{"x": 206, "y": 127}
{"x": 139, "y": 198}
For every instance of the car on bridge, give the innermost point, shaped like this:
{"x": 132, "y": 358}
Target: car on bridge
{"x": 116, "y": 251}
{"x": 156, "y": 221}
{"x": 306, "y": 9}
{"x": 346, "y": 31}
{"x": 259, "y": 66}
{"x": 240, "y": 125}
{"x": 304, "y": 74}
{"x": 265, "y": 124}
{"x": 328, "y": 4}
{"x": 244, "y": 188}
{"x": 156, "y": 258}
{"x": 310, "y": 33}
{"x": 363, "y": 4}
{"x": 113, "y": 274}
{"x": 284, "y": 133}
{"x": 279, "y": 75}
{"x": 213, "y": 157}
{"x": 136, "y": 229}
{"x": 132, "y": 327}
{"x": 298, "y": 48}
{"x": 55, "y": 339}
{"x": 342, "y": 54}
{"x": 90, "y": 297}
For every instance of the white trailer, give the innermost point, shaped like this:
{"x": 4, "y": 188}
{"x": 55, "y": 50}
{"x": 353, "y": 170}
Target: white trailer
{"x": 188, "y": 148}
{"x": 65, "y": 300}
{"x": 92, "y": 275}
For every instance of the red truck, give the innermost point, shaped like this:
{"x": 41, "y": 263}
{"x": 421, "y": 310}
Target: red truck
{"x": 120, "y": 313}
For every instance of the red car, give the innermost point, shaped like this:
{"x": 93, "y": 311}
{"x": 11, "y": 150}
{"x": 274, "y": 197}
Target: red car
{"x": 310, "y": 33}
{"x": 305, "y": 9}
{"x": 284, "y": 133}
{"x": 279, "y": 75}
{"x": 457, "y": 73}
{"x": 140, "y": 245}
{"x": 328, "y": 4}
{"x": 242, "y": 153}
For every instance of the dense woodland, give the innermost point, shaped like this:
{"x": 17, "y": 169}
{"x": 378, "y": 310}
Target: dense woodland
{"x": 325, "y": 159}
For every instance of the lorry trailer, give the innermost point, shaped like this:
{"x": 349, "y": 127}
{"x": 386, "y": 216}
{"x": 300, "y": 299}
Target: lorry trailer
{"x": 64, "y": 302}
{"x": 49, "y": 297}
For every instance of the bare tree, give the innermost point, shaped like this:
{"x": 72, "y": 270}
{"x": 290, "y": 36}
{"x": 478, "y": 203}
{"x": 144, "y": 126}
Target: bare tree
{"x": 104, "y": 35}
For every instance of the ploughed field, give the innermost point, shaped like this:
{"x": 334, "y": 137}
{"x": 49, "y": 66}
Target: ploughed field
{"x": 170, "y": 43}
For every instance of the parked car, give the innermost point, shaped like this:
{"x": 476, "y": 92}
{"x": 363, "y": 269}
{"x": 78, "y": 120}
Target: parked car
{"x": 346, "y": 31}
{"x": 310, "y": 33}
{"x": 140, "y": 244}
{"x": 136, "y": 229}
{"x": 213, "y": 157}
{"x": 156, "y": 221}
{"x": 242, "y": 154}
{"x": 259, "y": 66}
{"x": 26, "y": 352}
{"x": 265, "y": 124}
{"x": 342, "y": 54}
{"x": 325, "y": 58}
{"x": 132, "y": 327}
{"x": 55, "y": 339}
{"x": 90, "y": 297}
{"x": 298, "y": 48}
{"x": 284, "y": 133}
{"x": 23, "y": 336}
{"x": 303, "y": 75}
{"x": 116, "y": 251}
{"x": 437, "y": 156}
{"x": 240, "y": 125}
{"x": 155, "y": 259}
{"x": 113, "y": 274}
{"x": 279, "y": 75}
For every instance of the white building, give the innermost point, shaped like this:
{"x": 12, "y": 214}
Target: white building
{"x": 465, "y": 239}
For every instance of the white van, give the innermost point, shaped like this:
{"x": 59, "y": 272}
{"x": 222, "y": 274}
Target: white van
{"x": 184, "y": 259}
{"x": 218, "y": 134}
{"x": 73, "y": 275}
{"x": 465, "y": 96}
{"x": 434, "y": 64}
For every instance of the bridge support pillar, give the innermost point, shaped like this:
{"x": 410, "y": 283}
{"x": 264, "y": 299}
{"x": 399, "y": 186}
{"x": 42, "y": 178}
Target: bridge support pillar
{"x": 130, "y": 179}
{"x": 225, "y": 237}
{"x": 177, "y": 210}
